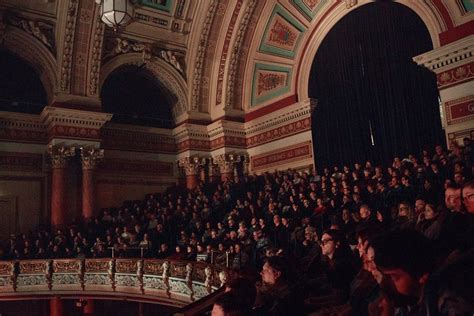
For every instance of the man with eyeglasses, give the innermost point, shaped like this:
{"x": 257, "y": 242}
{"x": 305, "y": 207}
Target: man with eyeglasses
{"x": 468, "y": 196}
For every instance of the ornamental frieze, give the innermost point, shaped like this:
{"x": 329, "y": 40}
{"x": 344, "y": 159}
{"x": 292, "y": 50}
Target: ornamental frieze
{"x": 455, "y": 76}
{"x": 153, "y": 267}
{"x": 125, "y": 266}
{"x": 279, "y": 132}
{"x": 66, "y": 266}
{"x": 21, "y": 161}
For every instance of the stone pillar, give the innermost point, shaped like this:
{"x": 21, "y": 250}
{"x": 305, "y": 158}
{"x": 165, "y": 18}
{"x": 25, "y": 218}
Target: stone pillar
{"x": 226, "y": 163}
{"x": 59, "y": 161}
{"x": 454, "y": 69}
{"x": 191, "y": 167}
{"x": 56, "y": 307}
{"x": 90, "y": 157}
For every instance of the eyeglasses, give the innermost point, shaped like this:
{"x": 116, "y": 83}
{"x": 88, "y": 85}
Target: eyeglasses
{"x": 326, "y": 241}
{"x": 469, "y": 197}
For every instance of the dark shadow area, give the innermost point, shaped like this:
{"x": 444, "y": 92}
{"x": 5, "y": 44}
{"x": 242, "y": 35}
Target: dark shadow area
{"x": 21, "y": 89}
{"x": 136, "y": 97}
{"x": 374, "y": 101}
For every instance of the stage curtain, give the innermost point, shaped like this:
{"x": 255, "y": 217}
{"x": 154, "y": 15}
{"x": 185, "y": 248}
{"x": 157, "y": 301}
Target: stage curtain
{"x": 374, "y": 101}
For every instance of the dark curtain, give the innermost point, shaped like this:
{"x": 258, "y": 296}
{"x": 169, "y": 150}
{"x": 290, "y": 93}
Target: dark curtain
{"x": 21, "y": 89}
{"x": 135, "y": 96}
{"x": 374, "y": 102}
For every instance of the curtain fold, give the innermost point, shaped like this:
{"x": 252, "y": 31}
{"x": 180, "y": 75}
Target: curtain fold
{"x": 374, "y": 102}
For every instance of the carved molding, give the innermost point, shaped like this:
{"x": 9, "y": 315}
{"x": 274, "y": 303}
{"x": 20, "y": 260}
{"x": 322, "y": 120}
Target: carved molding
{"x": 350, "y": 3}
{"x": 96, "y": 52}
{"x": 90, "y": 157}
{"x": 201, "y": 53}
{"x": 448, "y": 56}
{"x": 68, "y": 47}
{"x": 116, "y": 46}
{"x": 226, "y": 162}
{"x": 60, "y": 155}
{"x": 42, "y": 31}
{"x": 191, "y": 165}
{"x": 236, "y": 52}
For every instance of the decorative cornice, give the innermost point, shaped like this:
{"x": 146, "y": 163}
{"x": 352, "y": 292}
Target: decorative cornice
{"x": 281, "y": 117}
{"x": 52, "y": 116}
{"x": 457, "y": 53}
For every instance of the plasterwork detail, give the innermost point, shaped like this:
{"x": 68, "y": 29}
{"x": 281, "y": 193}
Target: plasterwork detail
{"x": 91, "y": 157}
{"x": 67, "y": 53}
{"x": 455, "y": 76}
{"x": 60, "y": 155}
{"x": 95, "y": 59}
{"x": 225, "y": 49}
{"x": 242, "y": 31}
{"x": 283, "y": 155}
{"x": 201, "y": 52}
{"x": 44, "y": 32}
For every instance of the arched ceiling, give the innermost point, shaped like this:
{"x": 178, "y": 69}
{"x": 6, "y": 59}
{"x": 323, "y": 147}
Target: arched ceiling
{"x": 229, "y": 58}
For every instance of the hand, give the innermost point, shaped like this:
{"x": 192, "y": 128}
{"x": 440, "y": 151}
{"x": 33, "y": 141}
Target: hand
{"x": 379, "y": 217}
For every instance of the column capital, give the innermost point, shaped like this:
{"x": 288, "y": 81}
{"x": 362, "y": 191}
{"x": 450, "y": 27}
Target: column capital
{"x": 60, "y": 155}
{"x": 226, "y": 161}
{"x": 90, "y": 157}
{"x": 191, "y": 165}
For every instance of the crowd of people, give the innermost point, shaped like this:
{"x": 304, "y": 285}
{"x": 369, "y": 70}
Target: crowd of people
{"x": 359, "y": 240}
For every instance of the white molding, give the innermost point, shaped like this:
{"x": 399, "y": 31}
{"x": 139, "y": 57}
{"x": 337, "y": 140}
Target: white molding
{"x": 439, "y": 59}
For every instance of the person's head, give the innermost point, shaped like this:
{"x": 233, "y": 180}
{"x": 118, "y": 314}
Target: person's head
{"x": 405, "y": 210}
{"x": 229, "y": 304}
{"x": 243, "y": 288}
{"x": 430, "y": 211}
{"x": 468, "y": 196}
{"x": 331, "y": 241}
{"x": 452, "y": 197}
{"x": 420, "y": 205}
{"x": 274, "y": 270}
{"x": 407, "y": 258}
{"x": 364, "y": 212}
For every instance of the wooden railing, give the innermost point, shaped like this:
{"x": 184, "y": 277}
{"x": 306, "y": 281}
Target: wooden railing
{"x": 168, "y": 282}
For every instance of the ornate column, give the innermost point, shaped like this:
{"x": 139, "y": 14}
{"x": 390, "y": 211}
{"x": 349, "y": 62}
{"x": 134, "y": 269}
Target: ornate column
{"x": 226, "y": 162}
{"x": 59, "y": 161}
{"x": 90, "y": 157}
{"x": 56, "y": 307}
{"x": 191, "y": 167}
{"x": 453, "y": 65}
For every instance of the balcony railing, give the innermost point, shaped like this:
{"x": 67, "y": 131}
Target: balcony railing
{"x": 168, "y": 282}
